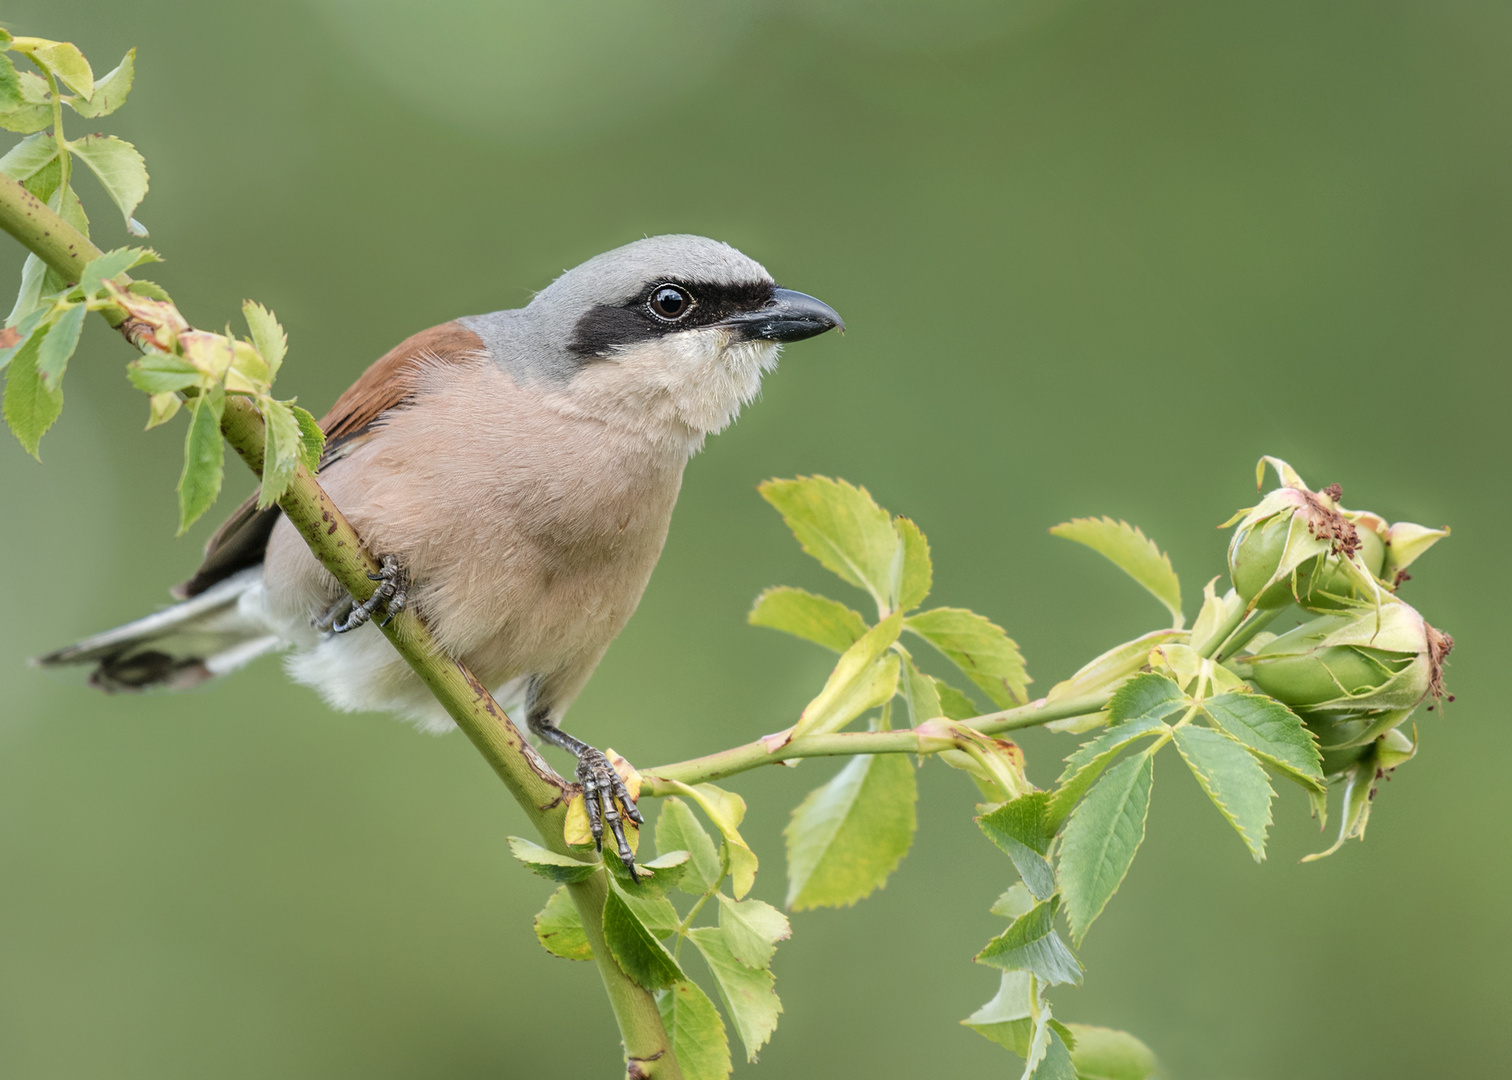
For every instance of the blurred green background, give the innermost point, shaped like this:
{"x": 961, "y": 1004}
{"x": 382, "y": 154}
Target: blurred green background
{"x": 1095, "y": 257}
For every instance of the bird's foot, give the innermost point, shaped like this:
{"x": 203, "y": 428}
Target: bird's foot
{"x": 390, "y": 595}
{"x": 604, "y": 794}
{"x": 332, "y": 615}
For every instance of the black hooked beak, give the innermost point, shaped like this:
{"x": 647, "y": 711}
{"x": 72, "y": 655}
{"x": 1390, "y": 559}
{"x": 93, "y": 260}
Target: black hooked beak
{"x": 788, "y": 316}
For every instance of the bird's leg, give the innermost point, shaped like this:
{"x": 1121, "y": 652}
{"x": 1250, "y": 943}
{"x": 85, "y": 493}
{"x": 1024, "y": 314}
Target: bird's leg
{"x": 604, "y": 793}
{"x": 391, "y": 595}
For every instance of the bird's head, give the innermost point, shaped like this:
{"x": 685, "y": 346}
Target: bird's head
{"x": 671, "y": 330}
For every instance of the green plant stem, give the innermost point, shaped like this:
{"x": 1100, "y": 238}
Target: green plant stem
{"x": 656, "y": 781}
{"x": 1252, "y": 625}
{"x": 1222, "y": 634}
{"x": 541, "y": 793}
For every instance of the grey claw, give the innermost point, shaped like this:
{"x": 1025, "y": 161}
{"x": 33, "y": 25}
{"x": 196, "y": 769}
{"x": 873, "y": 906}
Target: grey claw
{"x": 332, "y": 615}
{"x": 604, "y": 793}
{"x": 390, "y": 595}
{"x": 396, "y": 602}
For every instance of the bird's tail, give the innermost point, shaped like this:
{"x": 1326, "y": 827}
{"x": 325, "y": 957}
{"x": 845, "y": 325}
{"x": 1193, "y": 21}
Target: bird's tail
{"x": 178, "y": 647}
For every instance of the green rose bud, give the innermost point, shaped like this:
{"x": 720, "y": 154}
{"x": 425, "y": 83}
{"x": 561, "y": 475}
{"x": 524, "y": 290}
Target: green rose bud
{"x": 1367, "y": 660}
{"x": 1298, "y": 542}
{"x": 1344, "y": 738}
{"x": 1302, "y": 546}
{"x": 1328, "y": 583}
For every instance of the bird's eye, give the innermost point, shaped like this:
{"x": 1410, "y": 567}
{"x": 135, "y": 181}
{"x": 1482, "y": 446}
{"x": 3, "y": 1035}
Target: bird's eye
{"x": 670, "y": 302}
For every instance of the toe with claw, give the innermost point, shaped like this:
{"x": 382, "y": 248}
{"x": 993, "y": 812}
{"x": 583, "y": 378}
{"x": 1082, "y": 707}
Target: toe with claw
{"x": 390, "y": 596}
{"x": 604, "y": 797}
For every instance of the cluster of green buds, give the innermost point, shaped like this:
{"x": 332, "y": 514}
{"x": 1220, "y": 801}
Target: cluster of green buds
{"x": 1363, "y": 659}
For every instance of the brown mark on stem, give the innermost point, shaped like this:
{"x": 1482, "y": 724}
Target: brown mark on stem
{"x": 536, "y": 762}
{"x": 633, "y": 1070}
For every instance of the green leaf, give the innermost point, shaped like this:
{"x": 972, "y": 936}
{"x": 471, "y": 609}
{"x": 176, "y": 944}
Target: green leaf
{"x": 726, "y": 810}
{"x": 697, "y": 1033}
{"x": 35, "y": 112}
{"x": 1104, "y": 1054}
{"x": 150, "y": 289}
{"x": 842, "y": 527}
{"x": 204, "y": 458}
{"x": 846, "y": 837}
{"x": 34, "y": 275}
{"x": 1022, "y": 829}
{"x": 110, "y": 265}
{"x": 678, "y": 829}
{"x": 669, "y": 867}
{"x": 29, "y": 157}
{"x": 651, "y": 878}
{"x": 267, "y": 335}
{"x": 977, "y": 646}
{"x": 752, "y": 929}
{"x": 120, "y": 170}
{"x": 550, "y": 864}
{"x": 1232, "y": 779}
{"x": 45, "y": 183}
{"x": 63, "y": 59}
{"x": 1055, "y": 1064}
{"x": 918, "y": 574}
{"x": 1132, "y": 552}
{"x": 1215, "y": 613}
{"x": 957, "y": 705}
{"x": 749, "y": 1000}
{"x": 803, "y": 614}
{"x": 109, "y": 92}
{"x": 1015, "y": 901}
{"x": 23, "y": 331}
{"x": 654, "y": 911}
{"x": 1147, "y": 696}
{"x": 638, "y": 953}
{"x": 559, "y": 929}
{"x": 1008, "y": 1019}
{"x": 1272, "y": 732}
{"x": 59, "y": 344}
{"x": 162, "y": 408}
{"x": 1104, "y": 832}
{"x": 10, "y": 87}
{"x": 1088, "y": 761}
{"x": 1031, "y": 944}
{"x": 30, "y": 406}
{"x": 163, "y": 373}
{"x": 919, "y": 691}
{"x": 311, "y": 439}
{"x": 283, "y": 444}
{"x": 865, "y": 677}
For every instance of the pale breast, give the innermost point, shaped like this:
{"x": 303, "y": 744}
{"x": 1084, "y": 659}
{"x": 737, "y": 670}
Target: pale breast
{"x": 528, "y": 535}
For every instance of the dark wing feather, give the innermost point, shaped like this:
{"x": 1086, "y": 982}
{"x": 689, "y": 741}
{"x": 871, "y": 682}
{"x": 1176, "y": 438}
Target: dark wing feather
{"x": 387, "y": 384}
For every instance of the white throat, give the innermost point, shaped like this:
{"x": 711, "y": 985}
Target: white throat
{"x": 676, "y": 390}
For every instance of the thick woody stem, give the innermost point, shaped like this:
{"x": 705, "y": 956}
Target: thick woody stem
{"x": 541, "y": 793}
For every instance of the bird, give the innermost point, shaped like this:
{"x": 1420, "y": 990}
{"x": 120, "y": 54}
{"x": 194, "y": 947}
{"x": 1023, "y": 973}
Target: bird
{"x": 515, "y": 474}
